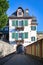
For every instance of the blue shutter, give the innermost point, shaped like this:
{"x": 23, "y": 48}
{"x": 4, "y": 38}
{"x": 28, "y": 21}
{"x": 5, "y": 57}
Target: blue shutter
{"x": 23, "y": 36}
{"x": 26, "y": 22}
{"x": 26, "y": 35}
{"x": 13, "y": 23}
{"x": 16, "y": 22}
{"x": 16, "y": 36}
{"x": 13, "y": 35}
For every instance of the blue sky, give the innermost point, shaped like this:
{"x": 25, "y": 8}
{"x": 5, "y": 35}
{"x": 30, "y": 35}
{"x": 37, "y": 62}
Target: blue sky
{"x": 35, "y": 8}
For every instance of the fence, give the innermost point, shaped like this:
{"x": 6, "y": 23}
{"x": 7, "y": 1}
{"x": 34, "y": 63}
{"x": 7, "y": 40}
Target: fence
{"x": 35, "y": 48}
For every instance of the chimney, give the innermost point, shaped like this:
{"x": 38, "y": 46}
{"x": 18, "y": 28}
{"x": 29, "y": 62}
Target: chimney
{"x": 27, "y": 12}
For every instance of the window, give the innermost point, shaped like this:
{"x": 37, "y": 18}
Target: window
{"x": 23, "y": 35}
{"x": 26, "y": 35}
{"x": 20, "y": 35}
{"x": 33, "y": 27}
{"x": 20, "y": 23}
{"x": 32, "y": 38}
{"x": 20, "y": 13}
{"x": 13, "y": 35}
{"x": 13, "y": 23}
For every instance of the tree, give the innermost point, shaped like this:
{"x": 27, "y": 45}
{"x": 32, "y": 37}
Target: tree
{"x": 4, "y": 5}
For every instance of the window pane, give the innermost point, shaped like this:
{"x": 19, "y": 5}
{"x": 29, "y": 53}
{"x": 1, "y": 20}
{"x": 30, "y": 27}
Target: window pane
{"x": 20, "y": 23}
{"x": 32, "y": 38}
{"x": 20, "y": 35}
{"x": 33, "y": 27}
{"x": 26, "y": 35}
{"x": 20, "y": 13}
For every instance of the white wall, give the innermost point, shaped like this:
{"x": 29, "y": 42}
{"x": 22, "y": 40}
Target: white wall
{"x": 26, "y": 29}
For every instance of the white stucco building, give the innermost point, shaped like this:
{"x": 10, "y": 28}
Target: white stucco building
{"x": 22, "y": 27}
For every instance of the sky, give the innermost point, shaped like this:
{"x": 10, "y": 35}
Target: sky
{"x": 35, "y": 8}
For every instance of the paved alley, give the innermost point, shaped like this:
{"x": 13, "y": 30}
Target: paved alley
{"x": 20, "y": 59}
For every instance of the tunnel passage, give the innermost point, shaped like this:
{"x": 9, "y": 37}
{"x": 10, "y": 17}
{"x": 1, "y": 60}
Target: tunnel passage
{"x": 20, "y": 48}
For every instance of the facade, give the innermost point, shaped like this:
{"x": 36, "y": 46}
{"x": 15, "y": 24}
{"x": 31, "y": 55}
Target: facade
{"x": 22, "y": 27}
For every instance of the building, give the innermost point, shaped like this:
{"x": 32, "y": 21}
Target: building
{"x": 22, "y": 27}
{"x": 4, "y": 34}
{"x": 39, "y": 35}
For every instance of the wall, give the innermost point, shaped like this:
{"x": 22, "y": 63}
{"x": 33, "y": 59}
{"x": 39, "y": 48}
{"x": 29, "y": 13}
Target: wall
{"x": 35, "y": 48}
{"x": 26, "y": 29}
{"x": 6, "y": 48}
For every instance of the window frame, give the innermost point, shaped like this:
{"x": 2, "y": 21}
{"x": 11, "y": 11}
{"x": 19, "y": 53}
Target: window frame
{"x": 33, "y": 38}
{"x": 33, "y": 28}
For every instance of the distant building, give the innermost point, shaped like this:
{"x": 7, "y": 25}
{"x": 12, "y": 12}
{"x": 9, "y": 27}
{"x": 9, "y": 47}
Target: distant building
{"x": 39, "y": 35}
{"x": 22, "y": 27}
{"x": 4, "y": 34}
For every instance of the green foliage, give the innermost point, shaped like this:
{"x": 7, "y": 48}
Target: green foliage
{"x": 4, "y": 5}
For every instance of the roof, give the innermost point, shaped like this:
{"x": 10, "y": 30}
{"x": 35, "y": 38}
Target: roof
{"x": 14, "y": 15}
{"x": 39, "y": 32}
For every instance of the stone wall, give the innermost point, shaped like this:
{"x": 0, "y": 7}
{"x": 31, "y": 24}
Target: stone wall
{"x": 6, "y": 48}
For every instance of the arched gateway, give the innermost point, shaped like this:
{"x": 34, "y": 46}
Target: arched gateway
{"x": 20, "y": 48}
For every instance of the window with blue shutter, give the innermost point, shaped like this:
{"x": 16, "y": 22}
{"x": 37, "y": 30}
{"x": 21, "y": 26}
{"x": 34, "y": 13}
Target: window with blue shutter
{"x": 33, "y": 27}
{"x": 15, "y": 35}
{"x": 20, "y": 23}
{"x": 32, "y": 38}
{"x": 26, "y": 35}
{"x": 23, "y": 35}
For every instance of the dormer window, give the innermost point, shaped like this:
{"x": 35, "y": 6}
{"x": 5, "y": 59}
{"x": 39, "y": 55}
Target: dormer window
{"x": 19, "y": 13}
